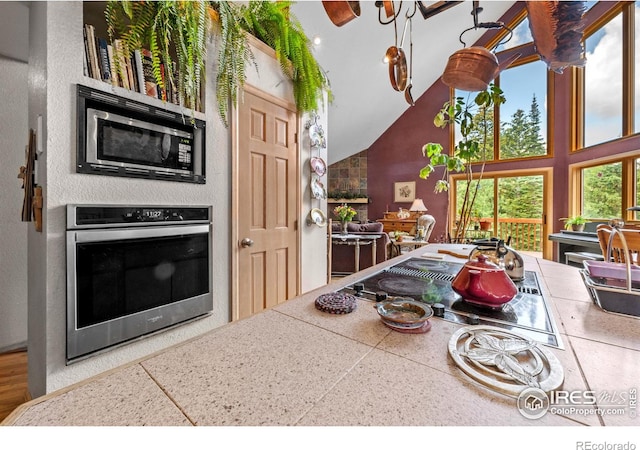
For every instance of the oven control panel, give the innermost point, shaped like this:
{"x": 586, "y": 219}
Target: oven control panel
{"x": 88, "y": 216}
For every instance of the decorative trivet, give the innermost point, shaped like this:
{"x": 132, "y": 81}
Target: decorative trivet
{"x": 505, "y": 361}
{"x": 336, "y": 303}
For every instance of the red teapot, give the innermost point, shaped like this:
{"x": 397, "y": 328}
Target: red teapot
{"x": 483, "y": 283}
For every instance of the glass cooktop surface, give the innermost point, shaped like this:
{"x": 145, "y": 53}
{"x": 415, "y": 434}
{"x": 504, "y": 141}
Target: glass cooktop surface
{"x": 429, "y": 281}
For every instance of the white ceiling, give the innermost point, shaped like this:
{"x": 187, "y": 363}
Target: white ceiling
{"x": 365, "y": 104}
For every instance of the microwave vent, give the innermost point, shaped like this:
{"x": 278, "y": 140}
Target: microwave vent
{"x": 104, "y": 97}
{"x": 166, "y": 114}
{"x": 138, "y": 106}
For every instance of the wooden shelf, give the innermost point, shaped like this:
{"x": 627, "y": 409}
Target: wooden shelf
{"x": 344, "y": 200}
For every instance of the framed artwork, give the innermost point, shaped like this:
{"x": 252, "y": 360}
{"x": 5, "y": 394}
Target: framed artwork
{"x": 404, "y": 191}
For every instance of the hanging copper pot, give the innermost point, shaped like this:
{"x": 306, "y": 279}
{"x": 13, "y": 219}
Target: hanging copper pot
{"x": 340, "y": 12}
{"x": 397, "y": 61}
{"x": 397, "y": 68}
{"x": 473, "y": 68}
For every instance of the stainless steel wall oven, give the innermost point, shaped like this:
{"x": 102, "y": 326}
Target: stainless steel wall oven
{"x": 134, "y": 270}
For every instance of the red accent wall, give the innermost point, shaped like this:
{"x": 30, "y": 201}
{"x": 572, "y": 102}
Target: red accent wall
{"x": 397, "y": 155}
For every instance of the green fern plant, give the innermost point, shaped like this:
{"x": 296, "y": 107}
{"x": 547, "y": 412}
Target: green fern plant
{"x": 233, "y": 55}
{"x": 186, "y": 26}
{"x": 275, "y": 25}
{"x": 161, "y": 25}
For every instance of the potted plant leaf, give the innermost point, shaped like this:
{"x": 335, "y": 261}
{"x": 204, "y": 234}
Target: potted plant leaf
{"x": 472, "y": 117}
{"x": 574, "y": 223}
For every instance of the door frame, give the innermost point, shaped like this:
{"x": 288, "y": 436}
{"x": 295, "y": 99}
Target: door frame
{"x": 547, "y": 195}
{"x": 235, "y": 180}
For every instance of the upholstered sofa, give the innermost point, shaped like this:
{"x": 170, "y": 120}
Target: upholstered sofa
{"x": 343, "y": 255}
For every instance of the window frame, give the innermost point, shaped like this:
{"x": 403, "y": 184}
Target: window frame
{"x": 528, "y": 55}
{"x": 628, "y": 197}
{"x": 597, "y": 17}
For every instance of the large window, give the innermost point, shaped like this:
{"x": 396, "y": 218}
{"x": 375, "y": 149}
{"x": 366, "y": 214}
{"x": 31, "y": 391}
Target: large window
{"x": 610, "y": 87}
{"x": 636, "y": 61}
{"x": 608, "y": 189}
{"x": 513, "y": 202}
{"x": 601, "y": 191}
{"x": 636, "y": 214}
{"x": 603, "y": 84}
{"x": 523, "y": 118}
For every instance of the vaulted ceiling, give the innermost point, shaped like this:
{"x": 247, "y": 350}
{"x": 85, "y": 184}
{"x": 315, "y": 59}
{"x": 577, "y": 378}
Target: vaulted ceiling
{"x": 365, "y": 103}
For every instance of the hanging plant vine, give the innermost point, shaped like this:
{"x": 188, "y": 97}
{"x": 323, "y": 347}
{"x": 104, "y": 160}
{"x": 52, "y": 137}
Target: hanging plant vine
{"x": 185, "y": 26}
{"x": 161, "y": 25}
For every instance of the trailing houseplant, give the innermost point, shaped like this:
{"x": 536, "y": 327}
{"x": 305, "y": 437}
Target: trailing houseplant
{"x": 575, "y": 223}
{"x": 165, "y": 27}
{"x": 473, "y": 119}
{"x": 184, "y": 27}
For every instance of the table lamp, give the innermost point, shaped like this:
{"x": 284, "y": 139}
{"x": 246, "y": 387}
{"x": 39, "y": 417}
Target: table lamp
{"x": 418, "y": 206}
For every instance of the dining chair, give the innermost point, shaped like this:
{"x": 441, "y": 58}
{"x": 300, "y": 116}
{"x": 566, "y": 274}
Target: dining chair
{"x": 612, "y": 241}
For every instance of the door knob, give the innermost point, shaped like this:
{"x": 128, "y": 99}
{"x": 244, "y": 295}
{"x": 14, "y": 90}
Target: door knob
{"x": 246, "y": 242}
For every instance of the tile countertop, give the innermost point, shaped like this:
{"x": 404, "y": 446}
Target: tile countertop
{"x": 295, "y": 365}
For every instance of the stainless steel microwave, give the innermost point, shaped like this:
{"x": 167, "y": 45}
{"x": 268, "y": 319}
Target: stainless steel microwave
{"x": 122, "y": 137}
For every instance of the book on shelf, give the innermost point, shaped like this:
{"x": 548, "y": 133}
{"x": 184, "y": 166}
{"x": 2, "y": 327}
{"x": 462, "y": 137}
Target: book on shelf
{"x": 172, "y": 81}
{"x": 119, "y": 53}
{"x": 94, "y": 68}
{"x": 162, "y": 89}
{"x": 132, "y": 83}
{"x": 150, "y": 86}
{"x": 134, "y": 72}
{"x": 105, "y": 68}
{"x": 86, "y": 64}
{"x": 137, "y": 59}
{"x": 114, "y": 75}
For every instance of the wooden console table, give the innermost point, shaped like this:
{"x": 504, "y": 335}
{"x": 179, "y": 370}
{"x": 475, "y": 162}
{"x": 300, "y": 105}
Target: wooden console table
{"x": 392, "y": 223}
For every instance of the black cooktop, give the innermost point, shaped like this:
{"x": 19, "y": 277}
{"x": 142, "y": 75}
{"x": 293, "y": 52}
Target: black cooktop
{"x": 429, "y": 281}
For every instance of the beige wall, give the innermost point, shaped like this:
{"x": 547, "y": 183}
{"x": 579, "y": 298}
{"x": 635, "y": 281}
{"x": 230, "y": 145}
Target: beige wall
{"x": 13, "y": 232}
{"x": 55, "y": 69}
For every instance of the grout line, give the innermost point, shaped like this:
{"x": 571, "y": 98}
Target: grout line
{"x": 171, "y": 399}
{"x": 582, "y": 374}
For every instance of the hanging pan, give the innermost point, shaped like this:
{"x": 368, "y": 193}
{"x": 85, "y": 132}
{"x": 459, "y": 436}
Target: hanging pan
{"x": 397, "y": 63}
{"x": 340, "y": 12}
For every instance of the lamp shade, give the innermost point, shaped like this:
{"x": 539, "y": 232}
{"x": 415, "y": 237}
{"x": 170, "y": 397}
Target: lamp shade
{"x": 418, "y": 205}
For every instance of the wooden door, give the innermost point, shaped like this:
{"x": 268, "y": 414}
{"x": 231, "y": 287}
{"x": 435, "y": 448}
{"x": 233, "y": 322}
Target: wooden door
{"x": 267, "y": 204}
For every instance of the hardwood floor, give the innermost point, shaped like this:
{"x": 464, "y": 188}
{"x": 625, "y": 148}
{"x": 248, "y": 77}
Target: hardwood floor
{"x": 13, "y": 382}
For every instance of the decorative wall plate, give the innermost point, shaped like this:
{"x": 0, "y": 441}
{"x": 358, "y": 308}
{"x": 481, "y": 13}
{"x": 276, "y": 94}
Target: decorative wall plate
{"x": 316, "y": 137}
{"x": 317, "y": 217}
{"x": 317, "y": 188}
{"x": 318, "y": 165}
{"x": 505, "y": 361}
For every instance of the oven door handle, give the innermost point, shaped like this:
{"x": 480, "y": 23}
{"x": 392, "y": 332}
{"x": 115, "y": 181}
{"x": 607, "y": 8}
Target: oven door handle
{"x": 116, "y": 234}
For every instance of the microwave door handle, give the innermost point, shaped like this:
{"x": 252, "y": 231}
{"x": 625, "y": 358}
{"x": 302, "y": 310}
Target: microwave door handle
{"x": 82, "y": 236}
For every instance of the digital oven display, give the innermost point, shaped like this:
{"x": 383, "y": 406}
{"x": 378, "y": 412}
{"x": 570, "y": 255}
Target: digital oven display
{"x": 153, "y": 214}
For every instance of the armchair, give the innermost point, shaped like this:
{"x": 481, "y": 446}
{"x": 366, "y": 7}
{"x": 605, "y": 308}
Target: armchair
{"x": 428, "y": 222}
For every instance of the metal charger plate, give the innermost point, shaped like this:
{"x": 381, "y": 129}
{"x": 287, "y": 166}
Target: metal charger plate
{"x": 503, "y": 361}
